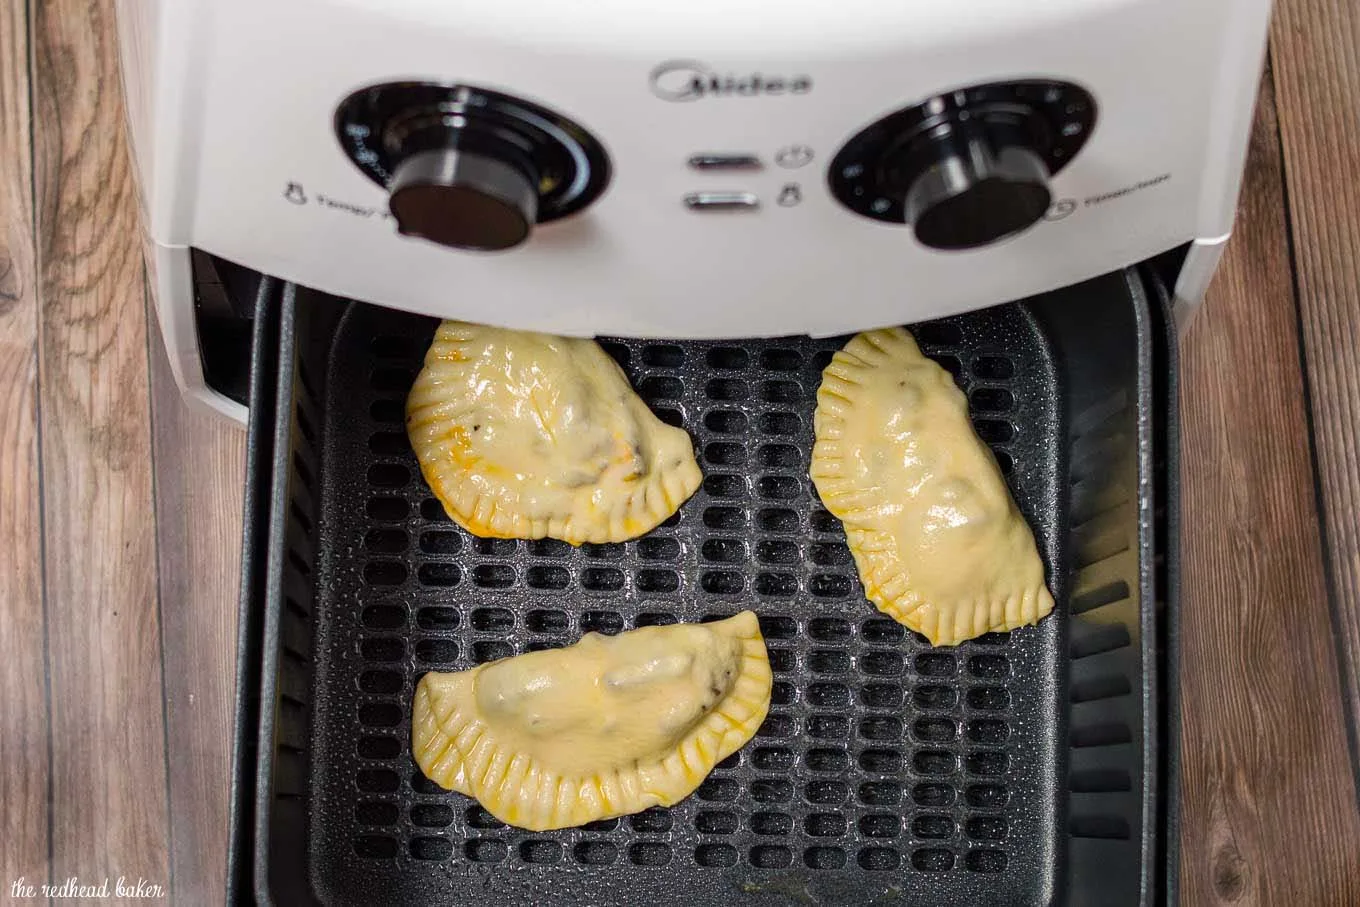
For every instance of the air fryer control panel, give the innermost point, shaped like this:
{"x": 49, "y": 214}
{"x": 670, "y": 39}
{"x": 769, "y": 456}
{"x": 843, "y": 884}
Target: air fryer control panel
{"x": 474, "y": 169}
{"x": 711, "y": 169}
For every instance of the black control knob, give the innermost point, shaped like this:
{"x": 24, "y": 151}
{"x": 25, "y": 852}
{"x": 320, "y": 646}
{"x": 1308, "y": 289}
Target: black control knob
{"x": 467, "y": 167}
{"x": 968, "y": 167}
{"x": 974, "y": 191}
{"x": 464, "y": 199}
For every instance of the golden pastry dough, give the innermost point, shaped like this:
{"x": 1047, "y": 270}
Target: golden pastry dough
{"x": 609, "y": 726}
{"x": 939, "y": 543}
{"x": 526, "y": 435}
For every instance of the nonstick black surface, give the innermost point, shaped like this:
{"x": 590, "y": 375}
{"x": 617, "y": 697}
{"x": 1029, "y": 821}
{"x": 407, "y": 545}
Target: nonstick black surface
{"x": 884, "y": 767}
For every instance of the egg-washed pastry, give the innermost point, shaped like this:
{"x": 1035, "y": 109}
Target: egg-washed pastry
{"x": 608, "y": 726}
{"x": 939, "y": 544}
{"x": 524, "y": 435}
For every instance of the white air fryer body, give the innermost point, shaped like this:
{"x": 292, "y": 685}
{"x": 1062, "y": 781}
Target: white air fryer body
{"x": 232, "y": 108}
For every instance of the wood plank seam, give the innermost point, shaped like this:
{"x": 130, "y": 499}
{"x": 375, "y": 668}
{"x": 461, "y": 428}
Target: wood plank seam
{"x": 153, "y": 336}
{"x": 26, "y": 743}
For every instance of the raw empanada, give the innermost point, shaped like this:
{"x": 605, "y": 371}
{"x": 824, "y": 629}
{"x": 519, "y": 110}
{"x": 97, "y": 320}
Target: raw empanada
{"x": 939, "y": 543}
{"x": 609, "y": 726}
{"x": 524, "y": 435}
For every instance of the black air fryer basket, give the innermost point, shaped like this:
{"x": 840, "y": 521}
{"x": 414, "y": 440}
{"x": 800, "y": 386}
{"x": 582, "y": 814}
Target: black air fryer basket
{"x": 1029, "y": 768}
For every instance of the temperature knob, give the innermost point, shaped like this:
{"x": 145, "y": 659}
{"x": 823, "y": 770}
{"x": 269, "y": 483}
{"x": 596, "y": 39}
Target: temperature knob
{"x": 463, "y": 199}
{"x": 467, "y": 167}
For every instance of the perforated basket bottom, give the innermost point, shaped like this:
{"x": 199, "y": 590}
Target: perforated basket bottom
{"x": 885, "y": 769}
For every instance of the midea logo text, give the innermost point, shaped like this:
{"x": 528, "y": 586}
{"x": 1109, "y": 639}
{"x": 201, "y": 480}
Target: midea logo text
{"x": 688, "y": 80}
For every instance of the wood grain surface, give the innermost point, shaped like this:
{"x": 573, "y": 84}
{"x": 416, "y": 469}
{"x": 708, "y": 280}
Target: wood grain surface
{"x": 200, "y": 467}
{"x": 108, "y": 799}
{"x": 1317, "y": 79}
{"x": 1266, "y": 766}
{"x": 23, "y": 688}
{"x": 116, "y": 676}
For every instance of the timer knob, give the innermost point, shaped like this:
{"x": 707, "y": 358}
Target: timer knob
{"x": 974, "y": 186}
{"x": 966, "y": 167}
{"x": 464, "y": 199}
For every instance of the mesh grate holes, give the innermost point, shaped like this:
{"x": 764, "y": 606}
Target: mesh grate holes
{"x": 726, "y": 422}
{"x": 482, "y": 652}
{"x": 661, "y": 388}
{"x": 492, "y": 576}
{"x": 932, "y": 859}
{"x": 493, "y": 620}
{"x": 663, "y": 356}
{"x": 715, "y": 823}
{"x": 724, "y": 389}
{"x": 882, "y": 696}
{"x": 989, "y": 796}
{"x": 825, "y": 825}
{"x": 432, "y": 652}
{"x": 608, "y": 622}
{"x": 829, "y": 629}
{"x": 716, "y": 855}
{"x": 881, "y": 761}
{"x": 433, "y": 511}
{"x": 440, "y": 542}
{"x": 653, "y": 821}
{"x": 439, "y": 575}
{"x": 547, "y": 577}
{"x": 933, "y": 796}
{"x": 431, "y": 815}
{"x": 779, "y": 424}
{"x": 477, "y": 817}
{"x": 826, "y": 792}
{"x": 869, "y": 730}
{"x": 770, "y": 790}
{"x": 987, "y": 763}
{"x": 437, "y": 618}
{"x": 777, "y": 519}
{"x": 769, "y": 823}
{"x": 986, "y": 828}
{"x": 880, "y": 793}
{"x": 932, "y": 827}
{"x": 825, "y": 858}
{"x": 779, "y": 360}
{"x": 827, "y": 760}
{"x": 728, "y": 518}
{"x": 828, "y": 727}
{"x": 771, "y": 856}
{"x": 652, "y": 548}
{"x": 649, "y": 853}
{"x": 535, "y": 851}
{"x": 722, "y": 582}
{"x": 486, "y": 850}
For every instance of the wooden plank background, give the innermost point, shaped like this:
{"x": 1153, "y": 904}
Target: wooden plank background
{"x": 120, "y": 510}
